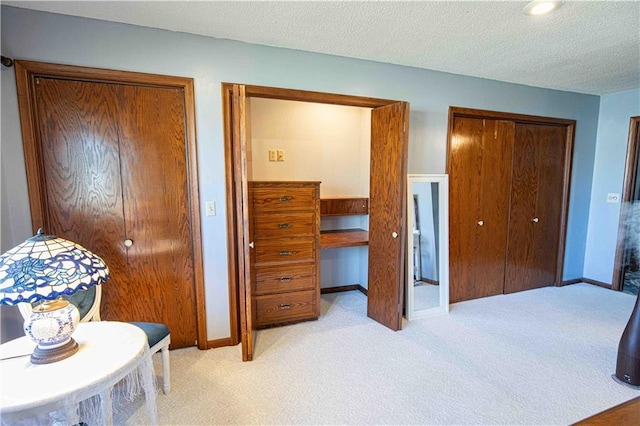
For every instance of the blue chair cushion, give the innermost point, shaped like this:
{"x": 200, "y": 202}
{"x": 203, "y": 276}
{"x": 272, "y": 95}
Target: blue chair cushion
{"x": 154, "y": 331}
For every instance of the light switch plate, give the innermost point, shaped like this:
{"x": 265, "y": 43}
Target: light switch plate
{"x": 280, "y": 155}
{"x": 210, "y": 208}
{"x": 613, "y": 197}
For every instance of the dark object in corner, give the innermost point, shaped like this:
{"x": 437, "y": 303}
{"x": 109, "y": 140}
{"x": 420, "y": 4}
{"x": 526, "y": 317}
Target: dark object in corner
{"x": 7, "y": 62}
{"x": 628, "y": 363}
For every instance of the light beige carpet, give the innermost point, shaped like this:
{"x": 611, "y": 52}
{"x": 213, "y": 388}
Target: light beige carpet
{"x": 539, "y": 357}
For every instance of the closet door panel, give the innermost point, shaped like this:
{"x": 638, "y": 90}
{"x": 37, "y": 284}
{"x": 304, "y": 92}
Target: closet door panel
{"x": 536, "y": 207}
{"x": 389, "y": 130}
{"x": 524, "y": 188}
{"x": 79, "y": 157}
{"x": 157, "y": 215}
{"x": 479, "y": 169}
{"x": 549, "y": 203}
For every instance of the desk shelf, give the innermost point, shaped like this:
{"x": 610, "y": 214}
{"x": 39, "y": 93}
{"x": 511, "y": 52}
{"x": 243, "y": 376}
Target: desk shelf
{"x": 344, "y": 238}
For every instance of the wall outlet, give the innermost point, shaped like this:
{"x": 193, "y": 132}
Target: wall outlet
{"x": 210, "y": 208}
{"x": 613, "y": 197}
{"x": 273, "y": 156}
{"x": 280, "y": 155}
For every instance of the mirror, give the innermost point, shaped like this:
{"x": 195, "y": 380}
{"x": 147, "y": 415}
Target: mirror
{"x": 427, "y": 287}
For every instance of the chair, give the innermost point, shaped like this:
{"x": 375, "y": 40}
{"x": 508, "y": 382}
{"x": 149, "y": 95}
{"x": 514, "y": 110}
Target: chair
{"x": 88, "y": 303}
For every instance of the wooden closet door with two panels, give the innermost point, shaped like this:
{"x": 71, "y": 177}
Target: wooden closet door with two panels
{"x": 509, "y": 184}
{"x": 114, "y": 175}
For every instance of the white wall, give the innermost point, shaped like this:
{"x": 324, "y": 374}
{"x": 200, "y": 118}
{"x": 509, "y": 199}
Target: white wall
{"x": 608, "y": 175}
{"x": 63, "y": 39}
{"x": 321, "y": 143}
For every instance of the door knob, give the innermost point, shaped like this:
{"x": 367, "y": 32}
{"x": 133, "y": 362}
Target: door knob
{"x": 534, "y": 220}
{"x": 480, "y": 222}
{"x": 251, "y": 244}
{"x": 128, "y": 242}
{"x": 394, "y": 235}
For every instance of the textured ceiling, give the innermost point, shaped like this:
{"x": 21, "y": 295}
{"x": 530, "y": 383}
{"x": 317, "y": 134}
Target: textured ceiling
{"x": 587, "y": 47}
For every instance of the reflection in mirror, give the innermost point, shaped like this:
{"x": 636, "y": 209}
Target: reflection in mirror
{"x": 428, "y": 246}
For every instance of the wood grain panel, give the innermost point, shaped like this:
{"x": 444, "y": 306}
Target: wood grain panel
{"x": 344, "y": 238}
{"x": 282, "y": 225}
{"x": 285, "y": 307}
{"x": 536, "y": 207}
{"x": 508, "y": 116}
{"x": 344, "y": 206}
{"x": 625, "y": 414}
{"x": 534, "y": 234}
{"x": 316, "y": 97}
{"x": 524, "y": 186}
{"x": 289, "y": 250}
{"x": 81, "y": 165}
{"x": 285, "y": 278}
{"x": 547, "y": 236}
{"x": 479, "y": 161}
{"x": 284, "y": 197}
{"x": 157, "y": 214}
{"x": 93, "y": 129}
{"x": 387, "y": 212}
{"x": 246, "y": 257}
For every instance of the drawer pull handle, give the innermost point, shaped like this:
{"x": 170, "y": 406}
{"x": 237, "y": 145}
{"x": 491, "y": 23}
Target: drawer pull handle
{"x": 286, "y": 253}
{"x": 286, "y": 279}
{"x": 284, "y": 225}
{"x": 286, "y": 198}
{"x": 285, "y": 306}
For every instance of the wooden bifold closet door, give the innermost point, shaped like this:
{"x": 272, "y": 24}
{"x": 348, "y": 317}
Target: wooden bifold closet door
{"x": 479, "y": 207}
{"x": 111, "y": 161}
{"x": 509, "y": 178}
{"x": 536, "y": 207}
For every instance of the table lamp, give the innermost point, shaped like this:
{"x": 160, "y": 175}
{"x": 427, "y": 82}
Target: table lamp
{"x": 43, "y": 269}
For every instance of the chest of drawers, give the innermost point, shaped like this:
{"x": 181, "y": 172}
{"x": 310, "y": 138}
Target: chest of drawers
{"x": 285, "y": 229}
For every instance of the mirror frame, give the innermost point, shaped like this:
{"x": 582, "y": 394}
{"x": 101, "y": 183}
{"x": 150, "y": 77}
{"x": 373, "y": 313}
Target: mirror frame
{"x": 443, "y": 246}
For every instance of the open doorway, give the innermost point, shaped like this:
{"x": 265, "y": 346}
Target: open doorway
{"x": 385, "y": 272}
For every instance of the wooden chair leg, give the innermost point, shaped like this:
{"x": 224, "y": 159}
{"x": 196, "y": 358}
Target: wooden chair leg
{"x": 166, "y": 377}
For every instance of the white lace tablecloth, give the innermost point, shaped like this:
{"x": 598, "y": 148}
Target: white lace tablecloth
{"x": 81, "y": 388}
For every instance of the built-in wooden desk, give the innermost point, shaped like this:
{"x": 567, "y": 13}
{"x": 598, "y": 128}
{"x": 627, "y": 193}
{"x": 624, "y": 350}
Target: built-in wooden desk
{"x": 344, "y": 238}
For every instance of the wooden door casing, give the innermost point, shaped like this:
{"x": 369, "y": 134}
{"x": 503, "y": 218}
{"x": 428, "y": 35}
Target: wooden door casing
{"x": 94, "y": 114}
{"x": 387, "y": 210}
{"x": 237, "y": 177}
{"x": 479, "y": 207}
{"x": 244, "y": 234}
{"x": 630, "y": 192}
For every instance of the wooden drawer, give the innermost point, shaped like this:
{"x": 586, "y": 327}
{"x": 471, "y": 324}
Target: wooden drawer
{"x": 277, "y": 225}
{"x": 285, "y": 250}
{"x": 278, "y": 279}
{"x": 285, "y": 307}
{"x": 283, "y": 198}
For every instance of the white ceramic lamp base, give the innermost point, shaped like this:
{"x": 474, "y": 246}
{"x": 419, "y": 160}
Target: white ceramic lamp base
{"x": 51, "y": 326}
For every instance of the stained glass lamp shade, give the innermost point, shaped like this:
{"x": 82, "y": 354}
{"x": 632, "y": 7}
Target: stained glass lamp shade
{"x": 44, "y": 269}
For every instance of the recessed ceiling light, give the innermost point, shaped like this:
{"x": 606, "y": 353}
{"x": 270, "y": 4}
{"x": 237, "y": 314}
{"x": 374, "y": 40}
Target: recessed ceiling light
{"x": 541, "y": 7}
